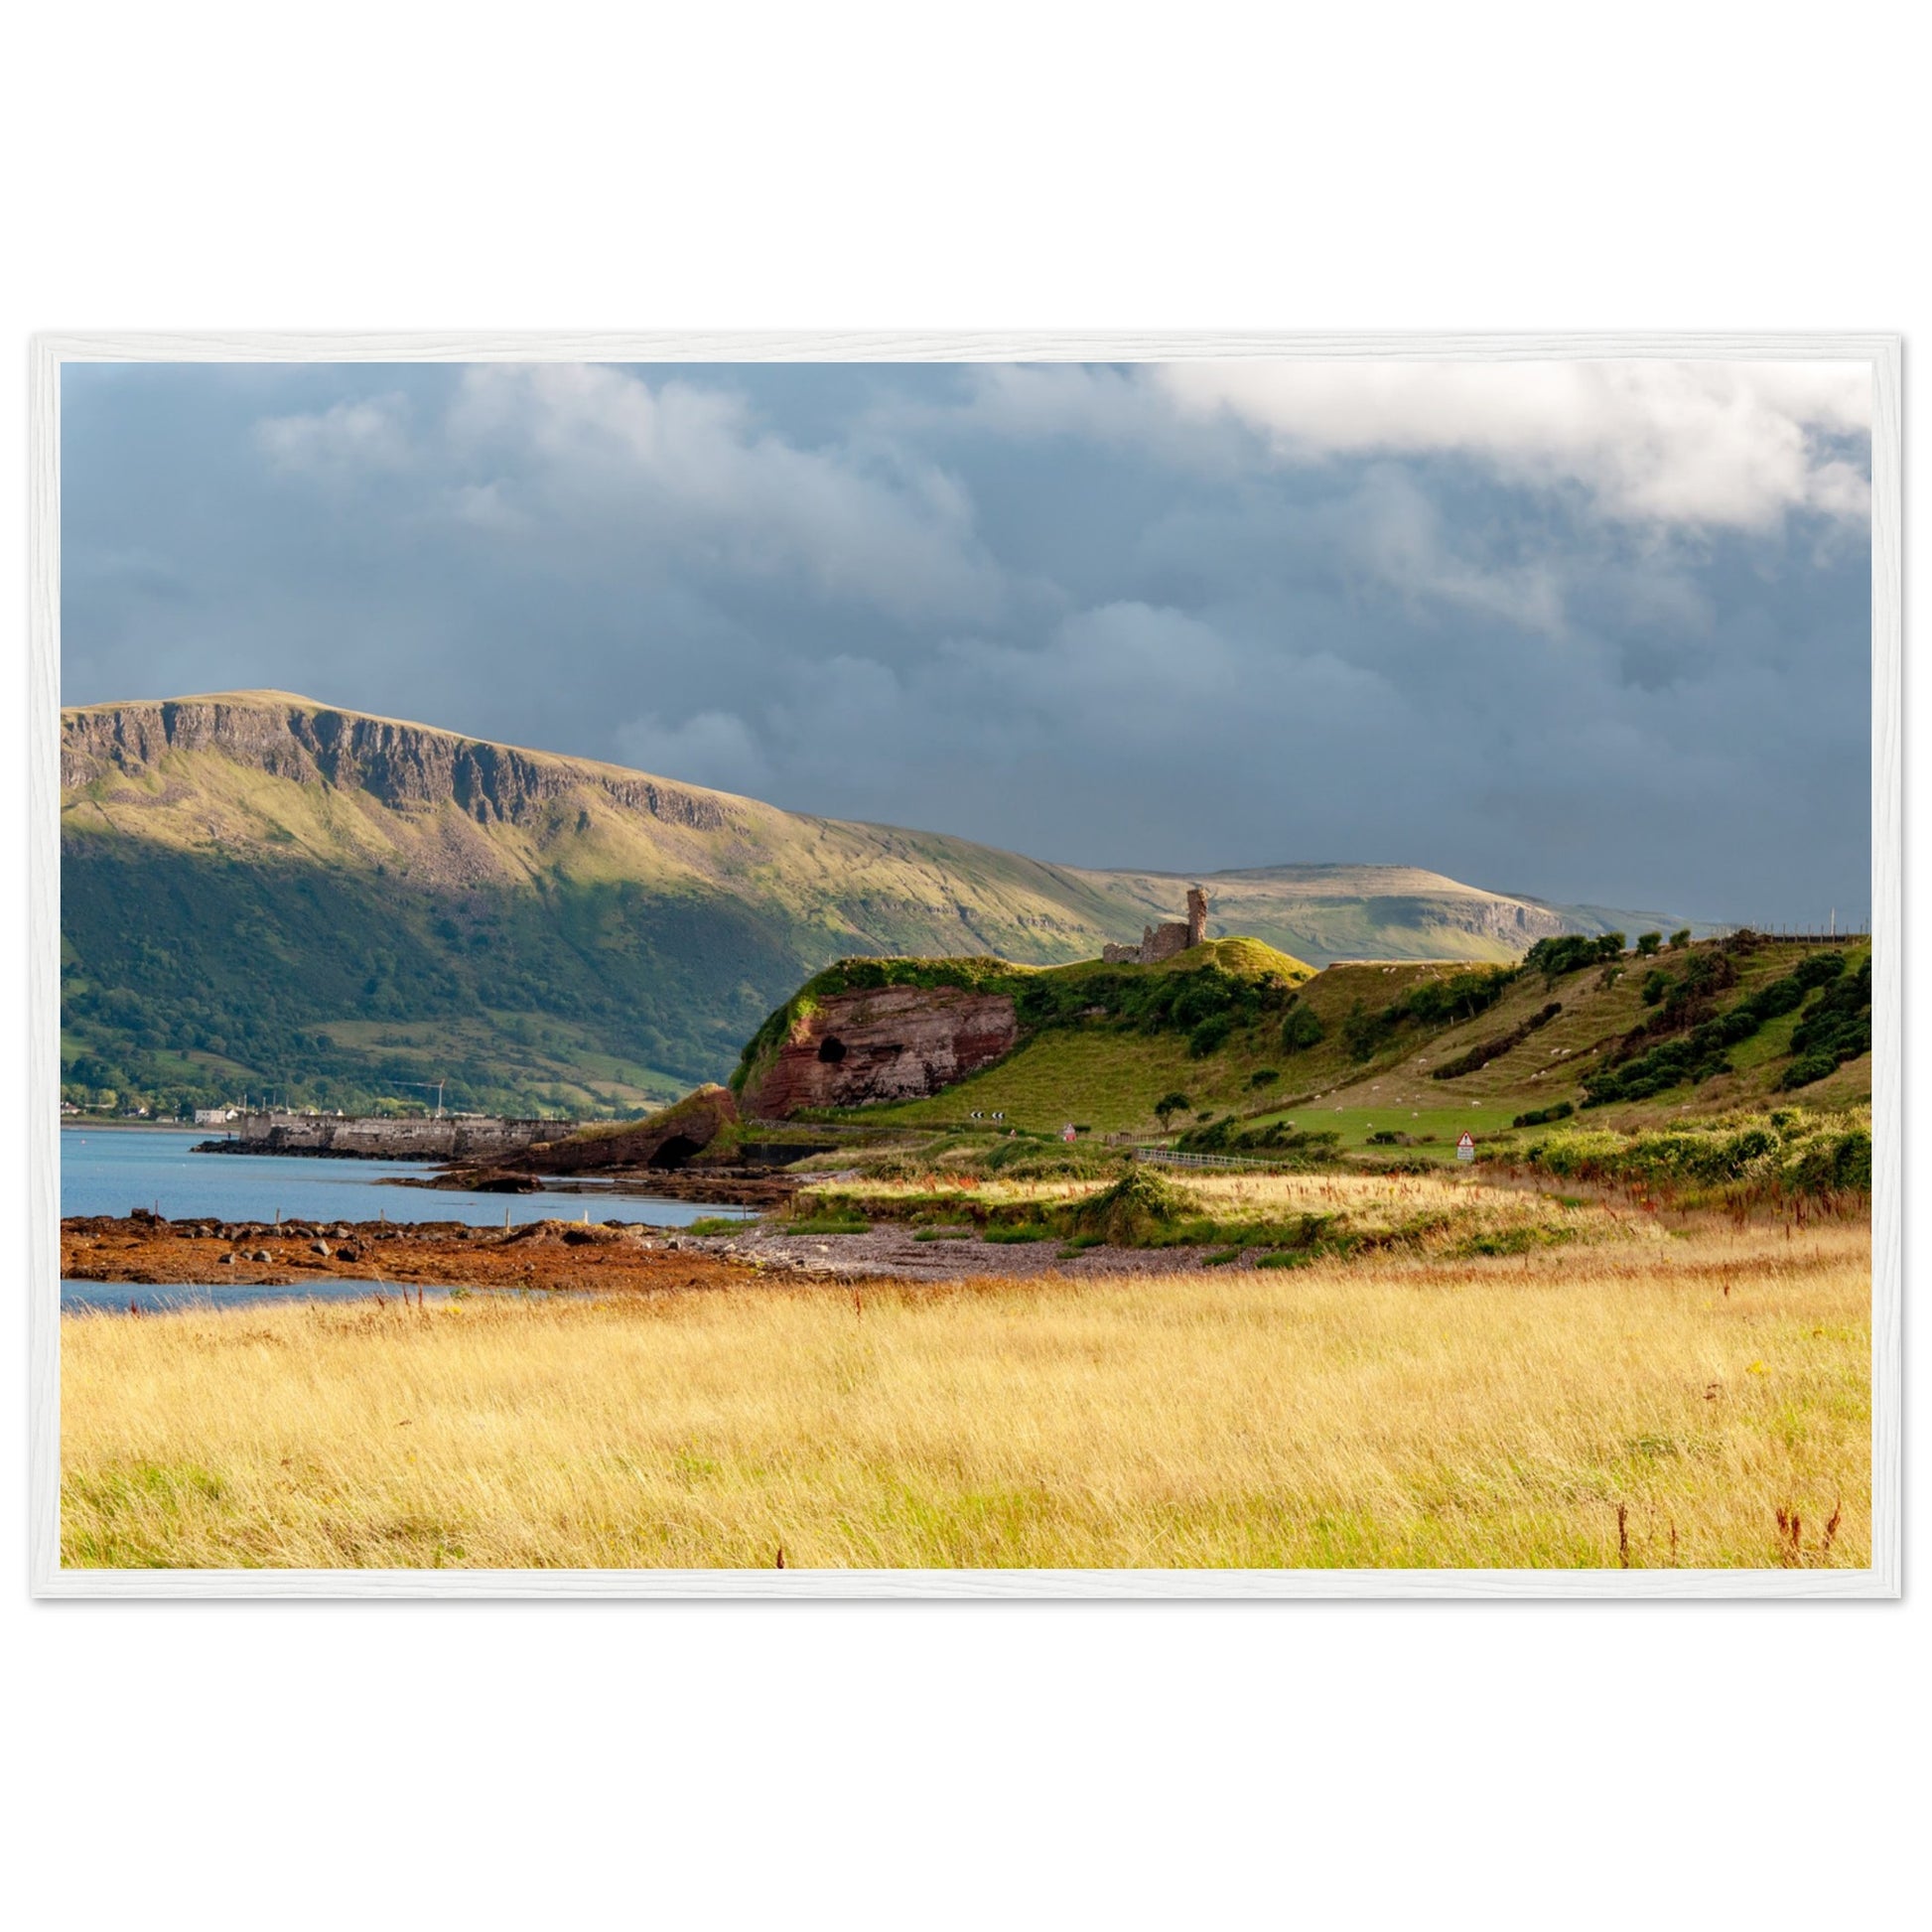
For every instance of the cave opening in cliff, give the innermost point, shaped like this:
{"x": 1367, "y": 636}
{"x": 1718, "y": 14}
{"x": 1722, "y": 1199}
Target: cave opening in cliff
{"x": 675, "y": 1151}
{"x": 831, "y": 1049}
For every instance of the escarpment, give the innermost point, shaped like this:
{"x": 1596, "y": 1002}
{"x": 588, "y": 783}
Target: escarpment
{"x": 400, "y": 765}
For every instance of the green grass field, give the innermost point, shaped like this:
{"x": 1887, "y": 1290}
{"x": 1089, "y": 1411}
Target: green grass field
{"x": 1107, "y": 1079}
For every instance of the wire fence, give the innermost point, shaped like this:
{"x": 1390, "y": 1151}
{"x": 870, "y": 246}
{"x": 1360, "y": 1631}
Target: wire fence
{"x": 1168, "y": 1157}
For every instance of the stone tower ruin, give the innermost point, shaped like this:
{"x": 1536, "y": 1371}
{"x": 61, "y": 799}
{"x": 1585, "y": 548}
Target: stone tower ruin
{"x": 1158, "y": 942}
{"x": 1197, "y": 915}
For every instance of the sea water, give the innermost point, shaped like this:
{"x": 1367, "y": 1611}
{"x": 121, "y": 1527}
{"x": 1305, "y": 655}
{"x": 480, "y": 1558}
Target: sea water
{"x": 113, "y": 1171}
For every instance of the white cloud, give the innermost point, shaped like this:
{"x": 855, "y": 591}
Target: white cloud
{"x": 369, "y": 434}
{"x": 686, "y": 467}
{"x": 1709, "y": 443}
{"x": 1393, "y": 533}
{"x": 711, "y": 747}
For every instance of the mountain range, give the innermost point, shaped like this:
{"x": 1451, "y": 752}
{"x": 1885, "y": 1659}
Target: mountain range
{"x": 262, "y": 893}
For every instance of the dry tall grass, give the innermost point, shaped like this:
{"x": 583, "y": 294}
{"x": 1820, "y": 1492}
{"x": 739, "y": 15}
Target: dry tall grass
{"x": 1680, "y": 1401}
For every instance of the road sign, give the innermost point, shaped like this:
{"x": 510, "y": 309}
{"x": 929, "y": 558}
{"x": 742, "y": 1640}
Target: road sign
{"x": 1465, "y": 1147}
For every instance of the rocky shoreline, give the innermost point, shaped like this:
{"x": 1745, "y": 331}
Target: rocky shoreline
{"x": 712, "y": 1188}
{"x": 145, "y": 1250}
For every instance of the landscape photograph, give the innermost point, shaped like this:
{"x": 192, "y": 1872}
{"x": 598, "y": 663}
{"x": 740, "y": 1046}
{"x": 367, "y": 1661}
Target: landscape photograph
{"x": 1214, "y": 965}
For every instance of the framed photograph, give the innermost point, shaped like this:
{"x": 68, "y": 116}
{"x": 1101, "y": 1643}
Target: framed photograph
{"x": 935, "y": 966}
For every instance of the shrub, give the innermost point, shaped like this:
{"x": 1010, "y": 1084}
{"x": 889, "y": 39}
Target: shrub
{"x": 1656, "y": 985}
{"x": 1803, "y": 1072}
{"x": 1264, "y": 1076}
{"x": 1459, "y": 996}
{"x": 1302, "y": 1029}
{"x": 1170, "y": 1104}
{"x": 1209, "y": 1037}
{"x": 1568, "y": 952}
{"x": 1818, "y": 968}
{"x": 1837, "y": 1023}
{"x": 1648, "y": 945}
{"x": 1679, "y": 938}
{"x": 1542, "y": 1116}
{"x": 1363, "y": 1032}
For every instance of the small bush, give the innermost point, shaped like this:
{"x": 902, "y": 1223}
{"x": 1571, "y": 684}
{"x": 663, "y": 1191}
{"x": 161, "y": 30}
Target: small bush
{"x": 1209, "y": 1037}
{"x": 1804, "y": 1072}
{"x": 1648, "y": 945}
{"x": 1264, "y": 1076}
{"x": 1302, "y": 1029}
{"x": 1542, "y": 1116}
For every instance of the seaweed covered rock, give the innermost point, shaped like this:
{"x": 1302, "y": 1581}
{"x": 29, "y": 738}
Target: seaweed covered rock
{"x": 666, "y": 1139}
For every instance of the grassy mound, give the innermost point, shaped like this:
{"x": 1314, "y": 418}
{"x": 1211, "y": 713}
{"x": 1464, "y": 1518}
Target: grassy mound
{"x": 1137, "y": 1211}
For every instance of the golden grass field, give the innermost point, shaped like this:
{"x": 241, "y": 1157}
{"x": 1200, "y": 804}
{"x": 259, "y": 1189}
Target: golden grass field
{"x": 1679, "y": 1398}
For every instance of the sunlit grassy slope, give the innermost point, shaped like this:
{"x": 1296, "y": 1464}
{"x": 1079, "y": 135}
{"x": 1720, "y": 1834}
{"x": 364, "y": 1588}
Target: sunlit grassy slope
{"x": 1102, "y": 1077}
{"x": 238, "y": 909}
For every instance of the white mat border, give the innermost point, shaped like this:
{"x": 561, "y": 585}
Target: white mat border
{"x": 47, "y": 353}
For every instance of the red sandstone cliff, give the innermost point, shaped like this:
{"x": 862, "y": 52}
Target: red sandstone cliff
{"x": 897, "y": 1042}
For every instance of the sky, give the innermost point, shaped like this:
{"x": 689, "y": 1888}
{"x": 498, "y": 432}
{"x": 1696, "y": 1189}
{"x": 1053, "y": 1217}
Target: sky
{"x": 1597, "y": 631}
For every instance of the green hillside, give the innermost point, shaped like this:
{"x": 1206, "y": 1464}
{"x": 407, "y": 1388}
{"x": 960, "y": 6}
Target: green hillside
{"x": 1404, "y": 1057}
{"x": 262, "y": 893}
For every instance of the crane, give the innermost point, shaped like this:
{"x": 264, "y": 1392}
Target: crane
{"x": 430, "y": 1086}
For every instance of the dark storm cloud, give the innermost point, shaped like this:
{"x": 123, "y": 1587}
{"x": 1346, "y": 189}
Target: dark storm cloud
{"x": 1599, "y": 632}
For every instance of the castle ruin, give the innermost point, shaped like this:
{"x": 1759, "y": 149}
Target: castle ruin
{"x": 1158, "y": 942}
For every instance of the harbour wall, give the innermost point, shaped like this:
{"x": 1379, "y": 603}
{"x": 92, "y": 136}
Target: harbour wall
{"x": 453, "y": 1138}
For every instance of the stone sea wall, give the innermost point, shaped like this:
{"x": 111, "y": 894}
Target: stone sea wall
{"x": 460, "y": 1137}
